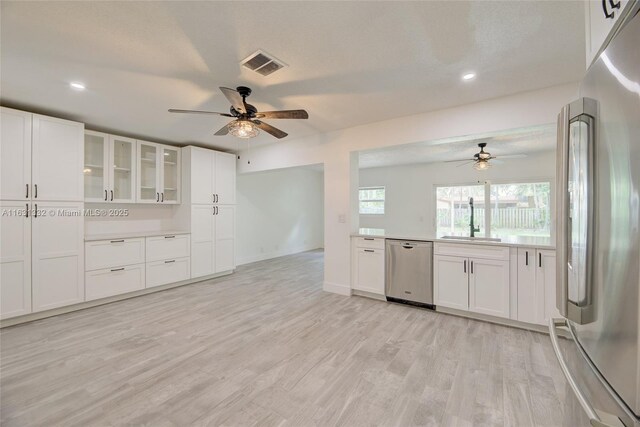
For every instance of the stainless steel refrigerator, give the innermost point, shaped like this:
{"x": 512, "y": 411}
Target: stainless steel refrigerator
{"x": 598, "y": 234}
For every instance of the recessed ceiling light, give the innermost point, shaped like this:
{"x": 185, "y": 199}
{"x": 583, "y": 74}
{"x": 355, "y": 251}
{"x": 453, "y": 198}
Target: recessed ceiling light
{"x": 468, "y": 76}
{"x": 77, "y": 86}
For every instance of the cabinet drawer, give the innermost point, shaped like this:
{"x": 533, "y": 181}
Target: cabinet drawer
{"x": 113, "y": 281}
{"x": 472, "y": 251}
{"x": 370, "y": 242}
{"x": 113, "y": 253}
{"x": 168, "y": 271}
{"x": 167, "y": 247}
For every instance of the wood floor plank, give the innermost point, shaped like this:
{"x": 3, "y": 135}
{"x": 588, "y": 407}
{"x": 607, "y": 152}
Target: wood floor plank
{"x": 266, "y": 346}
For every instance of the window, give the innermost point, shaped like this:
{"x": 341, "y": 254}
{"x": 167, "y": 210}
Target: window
{"x": 371, "y": 200}
{"x": 500, "y": 210}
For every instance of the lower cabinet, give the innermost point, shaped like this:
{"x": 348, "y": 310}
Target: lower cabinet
{"x": 536, "y": 285}
{"x": 114, "y": 281}
{"x": 213, "y": 239}
{"x": 368, "y": 269}
{"x": 472, "y": 283}
{"x": 168, "y": 271}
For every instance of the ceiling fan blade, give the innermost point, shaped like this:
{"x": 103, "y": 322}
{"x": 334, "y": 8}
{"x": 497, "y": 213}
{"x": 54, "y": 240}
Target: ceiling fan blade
{"x": 173, "y": 110}
{"x": 284, "y": 114}
{"x": 223, "y": 130}
{"x": 466, "y": 163}
{"x": 511, "y": 156}
{"x": 461, "y": 160}
{"x": 270, "y": 129}
{"x": 235, "y": 99}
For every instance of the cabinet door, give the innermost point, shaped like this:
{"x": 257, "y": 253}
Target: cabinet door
{"x": 114, "y": 281}
{"x": 15, "y": 155}
{"x": 202, "y": 240}
{"x": 451, "y": 282}
{"x": 202, "y": 164}
{"x": 57, "y": 159}
{"x": 96, "y": 167}
{"x": 148, "y": 173}
{"x": 122, "y": 169}
{"x": 15, "y": 260}
{"x": 225, "y": 178}
{"x": 546, "y": 286}
{"x": 57, "y": 255}
{"x": 370, "y": 270}
{"x": 225, "y": 252}
{"x": 527, "y": 300}
{"x": 170, "y": 175}
{"x": 489, "y": 287}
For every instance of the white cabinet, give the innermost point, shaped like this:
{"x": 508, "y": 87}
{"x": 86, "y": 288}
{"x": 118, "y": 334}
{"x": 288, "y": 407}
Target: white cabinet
{"x": 536, "y": 285}
{"x": 489, "y": 287}
{"x": 57, "y": 255}
{"x": 451, "y": 282}
{"x": 109, "y": 168}
{"x": 57, "y": 153}
{"x": 472, "y": 278}
{"x": 158, "y": 173}
{"x": 209, "y": 175}
{"x": 114, "y": 281}
{"x": 368, "y": 259}
{"x": 41, "y": 157}
{"x": 168, "y": 271}
{"x": 15, "y": 260}
{"x": 114, "y": 253}
{"x": 225, "y": 232}
{"x": 167, "y": 247}
{"x": 15, "y": 154}
{"x": 203, "y": 240}
{"x": 601, "y": 16}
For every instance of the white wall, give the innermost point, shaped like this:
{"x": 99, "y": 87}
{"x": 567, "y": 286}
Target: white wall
{"x": 279, "y": 213}
{"x": 336, "y": 150}
{"x": 409, "y": 189}
{"x": 141, "y": 217}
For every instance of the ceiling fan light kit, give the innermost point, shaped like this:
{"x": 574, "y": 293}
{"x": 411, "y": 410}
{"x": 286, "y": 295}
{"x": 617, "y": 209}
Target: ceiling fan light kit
{"x": 482, "y": 165}
{"x": 248, "y": 121}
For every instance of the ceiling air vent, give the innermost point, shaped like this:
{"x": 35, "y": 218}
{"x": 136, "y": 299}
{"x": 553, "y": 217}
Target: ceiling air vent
{"x": 262, "y": 63}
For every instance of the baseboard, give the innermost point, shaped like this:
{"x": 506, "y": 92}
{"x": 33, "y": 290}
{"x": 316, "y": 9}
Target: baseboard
{"x": 276, "y": 254}
{"x": 372, "y": 295}
{"x": 336, "y": 288}
{"x": 89, "y": 304}
{"x": 491, "y": 319}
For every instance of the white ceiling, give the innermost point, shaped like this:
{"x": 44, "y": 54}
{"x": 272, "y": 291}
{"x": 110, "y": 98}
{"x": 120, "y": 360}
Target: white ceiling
{"x": 512, "y": 142}
{"x": 350, "y": 63}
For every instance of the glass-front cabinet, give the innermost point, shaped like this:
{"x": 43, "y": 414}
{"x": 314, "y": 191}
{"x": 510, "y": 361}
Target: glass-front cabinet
{"x": 159, "y": 173}
{"x": 109, "y": 168}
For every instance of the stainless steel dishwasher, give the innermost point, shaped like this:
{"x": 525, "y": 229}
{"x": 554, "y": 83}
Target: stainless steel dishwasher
{"x": 409, "y": 272}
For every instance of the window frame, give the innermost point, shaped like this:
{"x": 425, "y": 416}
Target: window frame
{"x": 487, "y": 199}
{"x": 384, "y": 201}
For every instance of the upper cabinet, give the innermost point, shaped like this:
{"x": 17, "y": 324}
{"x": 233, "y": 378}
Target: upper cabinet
{"x": 109, "y": 168}
{"x": 41, "y": 157}
{"x": 158, "y": 174}
{"x": 210, "y": 176}
{"x": 601, "y": 16}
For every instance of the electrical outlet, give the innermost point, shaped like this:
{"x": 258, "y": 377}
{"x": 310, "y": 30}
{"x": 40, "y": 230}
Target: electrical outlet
{"x": 342, "y": 218}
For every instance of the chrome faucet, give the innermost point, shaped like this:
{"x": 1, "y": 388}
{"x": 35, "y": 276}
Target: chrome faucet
{"x": 473, "y": 230}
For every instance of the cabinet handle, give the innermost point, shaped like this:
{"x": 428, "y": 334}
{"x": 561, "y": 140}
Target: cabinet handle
{"x": 167, "y": 262}
{"x": 465, "y": 265}
{"x": 112, "y": 195}
{"x": 217, "y": 198}
{"x": 118, "y": 241}
{"x": 369, "y": 250}
{"x": 162, "y": 194}
{"x": 35, "y": 191}
{"x": 169, "y": 237}
{"x": 526, "y": 257}
{"x": 217, "y": 210}
{"x": 27, "y": 209}
{"x": 539, "y": 259}
{"x": 117, "y": 269}
{"x": 27, "y": 196}
{"x": 157, "y": 197}
{"x": 607, "y": 14}
{"x": 471, "y": 267}
{"x": 105, "y": 195}
{"x": 368, "y": 238}
{"x": 35, "y": 214}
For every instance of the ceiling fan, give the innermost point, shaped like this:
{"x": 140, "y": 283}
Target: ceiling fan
{"x": 481, "y": 158}
{"x": 247, "y": 123}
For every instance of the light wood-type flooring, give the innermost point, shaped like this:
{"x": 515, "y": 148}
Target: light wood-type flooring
{"x": 266, "y": 346}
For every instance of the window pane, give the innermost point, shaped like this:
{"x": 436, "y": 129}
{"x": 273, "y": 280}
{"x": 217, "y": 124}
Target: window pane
{"x": 521, "y": 209}
{"x": 371, "y": 200}
{"x": 453, "y": 213}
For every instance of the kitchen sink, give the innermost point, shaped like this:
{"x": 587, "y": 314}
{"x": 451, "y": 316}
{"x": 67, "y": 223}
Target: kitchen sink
{"x": 480, "y": 239}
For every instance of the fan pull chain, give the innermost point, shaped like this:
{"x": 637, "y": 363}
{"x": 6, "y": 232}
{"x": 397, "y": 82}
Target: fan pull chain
{"x": 248, "y": 151}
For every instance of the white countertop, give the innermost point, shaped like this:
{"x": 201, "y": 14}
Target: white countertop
{"x": 131, "y": 235}
{"x": 519, "y": 241}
